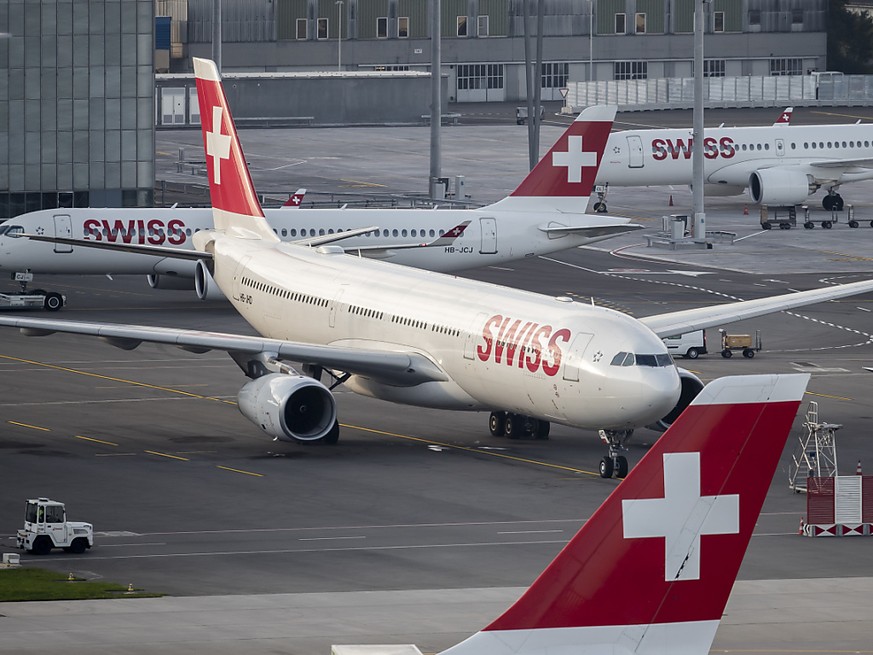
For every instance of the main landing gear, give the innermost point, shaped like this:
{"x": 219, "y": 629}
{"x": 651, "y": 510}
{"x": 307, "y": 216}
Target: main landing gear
{"x": 614, "y": 464}
{"x": 600, "y": 204}
{"x": 517, "y": 426}
{"x": 833, "y": 201}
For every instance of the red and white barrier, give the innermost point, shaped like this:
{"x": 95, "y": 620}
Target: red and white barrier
{"x": 840, "y": 506}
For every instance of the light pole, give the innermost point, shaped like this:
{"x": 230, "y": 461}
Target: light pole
{"x": 590, "y": 40}
{"x": 339, "y": 36}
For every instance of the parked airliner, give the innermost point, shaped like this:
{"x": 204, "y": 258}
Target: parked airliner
{"x": 417, "y": 337}
{"x": 780, "y": 164}
{"x": 543, "y": 215}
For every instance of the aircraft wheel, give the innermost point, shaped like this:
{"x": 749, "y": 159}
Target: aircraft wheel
{"x": 53, "y": 301}
{"x": 513, "y": 426}
{"x": 600, "y": 207}
{"x": 333, "y": 436}
{"x": 621, "y": 468}
{"x": 853, "y": 224}
{"x": 543, "y": 428}
{"x": 606, "y": 467}
{"x": 497, "y": 424}
{"x": 748, "y": 353}
{"x": 809, "y": 225}
{"x": 726, "y": 353}
{"x": 826, "y": 225}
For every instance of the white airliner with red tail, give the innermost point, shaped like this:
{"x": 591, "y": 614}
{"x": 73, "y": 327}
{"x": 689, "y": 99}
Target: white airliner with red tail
{"x": 651, "y": 571}
{"x": 416, "y": 337}
{"x": 779, "y": 164}
{"x": 545, "y": 214}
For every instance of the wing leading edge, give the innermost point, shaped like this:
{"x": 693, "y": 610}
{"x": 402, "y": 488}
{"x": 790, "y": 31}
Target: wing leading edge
{"x": 392, "y": 367}
{"x": 674, "y": 323}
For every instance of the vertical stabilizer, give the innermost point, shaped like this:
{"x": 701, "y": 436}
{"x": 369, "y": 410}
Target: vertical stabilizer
{"x": 650, "y": 572}
{"x": 234, "y": 201}
{"x": 563, "y": 179}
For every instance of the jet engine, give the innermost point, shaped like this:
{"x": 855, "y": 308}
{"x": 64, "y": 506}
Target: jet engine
{"x": 174, "y": 282}
{"x": 691, "y": 386}
{"x": 289, "y": 407}
{"x": 204, "y": 284}
{"x": 780, "y": 186}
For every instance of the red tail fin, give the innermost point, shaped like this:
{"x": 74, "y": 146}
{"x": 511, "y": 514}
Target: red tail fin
{"x": 564, "y": 177}
{"x": 295, "y": 199}
{"x": 652, "y": 569}
{"x": 785, "y": 117}
{"x": 234, "y": 201}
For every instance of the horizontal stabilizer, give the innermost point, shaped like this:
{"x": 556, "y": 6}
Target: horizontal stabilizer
{"x": 604, "y": 230}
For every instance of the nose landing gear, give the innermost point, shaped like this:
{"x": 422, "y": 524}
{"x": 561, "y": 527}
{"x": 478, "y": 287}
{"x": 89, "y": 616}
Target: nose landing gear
{"x": 614, "y": 464}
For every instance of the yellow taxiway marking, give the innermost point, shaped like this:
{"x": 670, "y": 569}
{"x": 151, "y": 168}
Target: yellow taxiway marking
{"x": 490, "y": 453}
{"x": 363, "y": 184}
{"x": 105, "y": 443}
{"x": 28, "y": 425}
{"x": 144, "y": 385}
{"x": 827, "y": 395}
{"x": 227, "y": 468}
{"x": 848, "y": 257}
{"x": 155, "y": 452}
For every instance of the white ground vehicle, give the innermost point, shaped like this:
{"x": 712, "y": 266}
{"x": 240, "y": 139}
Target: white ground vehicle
{"x": 46, "y": 527}
{"x": 690, "y": 344}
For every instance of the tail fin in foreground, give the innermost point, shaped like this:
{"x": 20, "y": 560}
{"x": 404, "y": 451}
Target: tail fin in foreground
{"x": 563, "y": 179}
{"x": 650, "y": 572}
{"x": 234, "y": 201}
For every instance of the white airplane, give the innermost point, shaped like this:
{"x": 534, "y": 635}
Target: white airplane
{"x": 780, "y": 164}
{"x": 673, "y": 534}
{"x": 546, "y": 213}
{"x": 415, "y": 337}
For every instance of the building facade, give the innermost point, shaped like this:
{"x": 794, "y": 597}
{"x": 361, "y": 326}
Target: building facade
{"x": 76, "y": 104}
{"x": 483, "y": 40}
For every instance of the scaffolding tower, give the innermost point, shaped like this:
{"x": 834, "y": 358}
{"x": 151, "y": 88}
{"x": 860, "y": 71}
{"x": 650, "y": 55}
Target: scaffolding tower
{"x": 816, "y": 452}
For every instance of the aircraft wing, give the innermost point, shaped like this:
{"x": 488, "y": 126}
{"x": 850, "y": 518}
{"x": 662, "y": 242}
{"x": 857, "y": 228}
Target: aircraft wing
{"x": 140, "y": 249}
{"x": 402, "y": 368}
{"x": 674, "y": 323}
{"x": 843, "y": 163}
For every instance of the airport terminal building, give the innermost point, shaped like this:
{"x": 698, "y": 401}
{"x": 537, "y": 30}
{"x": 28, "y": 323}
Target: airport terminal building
{"x": 79, "y": 103}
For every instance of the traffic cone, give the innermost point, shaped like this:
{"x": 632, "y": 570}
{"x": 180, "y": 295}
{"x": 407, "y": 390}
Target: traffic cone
{"x": 858, "y": 468}
{"x": 802, "y": 526}
{"x": 745, "y": 211}
{"x": 670, "y": 204}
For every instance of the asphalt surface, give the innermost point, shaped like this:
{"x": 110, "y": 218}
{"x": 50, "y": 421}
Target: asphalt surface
{"x": 418, "y": 527}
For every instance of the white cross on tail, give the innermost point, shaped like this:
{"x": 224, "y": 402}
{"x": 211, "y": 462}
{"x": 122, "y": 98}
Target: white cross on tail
{"x": 217, "y": 144}
{"x": 575, "y": 159}
{"x": 681, "y": 517}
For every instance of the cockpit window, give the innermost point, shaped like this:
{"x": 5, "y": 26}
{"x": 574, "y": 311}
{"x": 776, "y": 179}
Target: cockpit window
{"x": 629, "y": 359}
{"x": 13, "y": 231}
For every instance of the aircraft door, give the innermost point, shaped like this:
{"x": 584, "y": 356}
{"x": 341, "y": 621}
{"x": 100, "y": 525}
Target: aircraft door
{"x": 472, "y": 335}
{"x": 780, "y": 147}
{"x": 635, "y": 151}
{"x": 63, "y": 229}
{"x": 334, "y": 303}
{"x": 573, "y": 356}
{"x": 489, "y": 236}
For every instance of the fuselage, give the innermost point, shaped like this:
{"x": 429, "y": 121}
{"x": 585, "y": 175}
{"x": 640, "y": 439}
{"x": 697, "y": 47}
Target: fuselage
{"x": 732, "y": 154}
{"x": 491, "y": 237}
{"x": 540, "y": 356}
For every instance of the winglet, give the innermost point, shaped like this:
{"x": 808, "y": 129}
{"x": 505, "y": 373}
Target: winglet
{"x": 234, "y": 201}
{"x": 651, "y": 570}
{"x": 564, "y": 177}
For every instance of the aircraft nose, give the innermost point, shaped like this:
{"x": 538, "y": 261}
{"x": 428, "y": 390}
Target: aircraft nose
{"x": 646, "y": 395}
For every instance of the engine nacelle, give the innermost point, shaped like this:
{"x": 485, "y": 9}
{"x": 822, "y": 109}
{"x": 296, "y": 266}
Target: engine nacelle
{"x": 780, "y": 186}
{"x": 691, "y": 386}
{"x": 289, "y": 407}
{"x": 204, "y": 284}
{"x": 173, "y": 282}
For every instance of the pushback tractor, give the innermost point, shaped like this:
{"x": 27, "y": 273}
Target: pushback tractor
{"x": 46, "y": 527}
